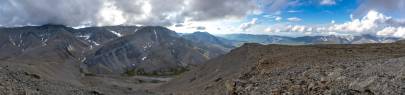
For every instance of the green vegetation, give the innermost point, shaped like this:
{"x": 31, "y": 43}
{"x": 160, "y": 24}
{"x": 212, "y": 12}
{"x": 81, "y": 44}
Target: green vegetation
{"x": 167, "y": 72}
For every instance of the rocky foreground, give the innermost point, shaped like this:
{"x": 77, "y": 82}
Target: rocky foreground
{"x": 255, "y": 69}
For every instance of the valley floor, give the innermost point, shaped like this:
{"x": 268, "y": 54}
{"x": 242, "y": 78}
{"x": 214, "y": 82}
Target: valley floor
{"x": 21, "y": 79}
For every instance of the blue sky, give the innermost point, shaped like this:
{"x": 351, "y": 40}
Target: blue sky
{"x": 315, "y": 13}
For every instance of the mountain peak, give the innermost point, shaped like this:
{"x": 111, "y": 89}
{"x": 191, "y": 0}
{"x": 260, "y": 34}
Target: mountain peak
{"x": 157, "y": 30}
{"x": 199, "y": 32}
{"x": 53, "y": 26}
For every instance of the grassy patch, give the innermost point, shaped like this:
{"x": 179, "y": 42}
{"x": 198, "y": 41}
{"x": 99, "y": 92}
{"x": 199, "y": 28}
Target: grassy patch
{"x": 168, "y": 72}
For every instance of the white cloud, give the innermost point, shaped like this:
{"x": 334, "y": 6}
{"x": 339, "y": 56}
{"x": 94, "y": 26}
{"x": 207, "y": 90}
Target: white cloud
{"x": 278, "y": 18}
{"x": 274, "y": 30}
{"x": 392, "y": 31}
{"x": 294, "y": 11}
{"x": 289, "y": 28}
{"x": 387, "y": 31}
{"x": 294, "y": 19}
{"x": 247, "y": 25}
{"x": 328, "y": 2}
{"x": 333, "y": 22}
{"x": 298, "y": 28}
{"x": 374, "y": 23}
{"x": 400, "y": 32}
{"x": 370, "y": 22}
{"x": 222, "y": 26}
{"x": 269, "y": 29}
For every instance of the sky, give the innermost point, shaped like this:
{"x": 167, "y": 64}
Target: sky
{"x": 272, "y": 17}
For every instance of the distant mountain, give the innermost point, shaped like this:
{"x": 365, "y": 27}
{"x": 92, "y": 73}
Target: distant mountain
{"x": 331, "y": 39}
{"x": 150, "y": 49}
{"x": 206, "y": 40}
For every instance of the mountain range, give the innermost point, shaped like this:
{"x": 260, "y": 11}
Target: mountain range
{"x": 305, "y": 40}
{"x": 150, "y": 49}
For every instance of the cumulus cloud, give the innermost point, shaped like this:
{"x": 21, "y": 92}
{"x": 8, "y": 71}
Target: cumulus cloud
{"x": 278, "y": 18}
{"x": 369, "y": 22}
{"x": 247, "y": 25}
{"x": 392, "y": 31}
{"x": 113, "y": 12}
{"x": 328, "y": 2}
{"x": 294, "y": 19}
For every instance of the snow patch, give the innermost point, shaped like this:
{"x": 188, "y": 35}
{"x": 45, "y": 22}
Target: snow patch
{"x": 86, "y": 37}
{"x": 116, "y": 33}
{"x": 70, "y": 48}
{"x": 148, "y": 45}
{"x": 144, "y": 58}
{"x": 156, "y": 37}
{"x": 84, "y": 59}
{"x": 12, "y": 41}
{"x": 324, "y": 39}
{"x": 93, "y": 42}
{"x": 44, "y": 42}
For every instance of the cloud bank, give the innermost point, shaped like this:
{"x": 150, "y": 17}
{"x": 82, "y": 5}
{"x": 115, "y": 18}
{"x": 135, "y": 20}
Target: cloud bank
{"x": 248, "y": 25}
{"x": 113, "y": 12}
{"x": 373, "y": 22}
{"x": 395, "y": 6}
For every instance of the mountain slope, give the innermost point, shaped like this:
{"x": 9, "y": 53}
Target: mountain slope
{"x": 101, "y": 35}
{"x": 315, "y": 69}
{"x": 150, "y": 49}
{"x": 52, "y": 41}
